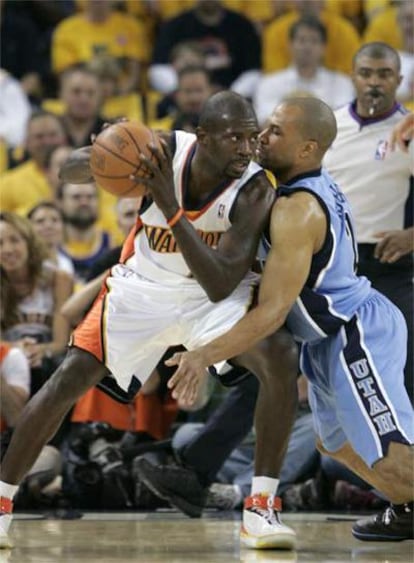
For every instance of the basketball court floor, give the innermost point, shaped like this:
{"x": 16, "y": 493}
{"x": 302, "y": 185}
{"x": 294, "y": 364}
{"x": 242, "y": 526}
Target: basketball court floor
{"x": 169, "y": 537}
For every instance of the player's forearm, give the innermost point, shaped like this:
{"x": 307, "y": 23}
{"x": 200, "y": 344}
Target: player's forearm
{"x": 216, "y": 274}
{"x": 76, "y": 169}
{"x": 259, "y": 323}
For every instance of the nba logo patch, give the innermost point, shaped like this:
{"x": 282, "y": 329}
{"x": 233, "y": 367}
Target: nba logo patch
{"x": 381, "y": 150}
{"x": 221, "y": 210}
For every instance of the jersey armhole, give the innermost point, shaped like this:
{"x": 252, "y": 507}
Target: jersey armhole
{"x": 328, "y": 242}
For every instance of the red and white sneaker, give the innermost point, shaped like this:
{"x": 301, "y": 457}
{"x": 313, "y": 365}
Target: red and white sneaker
{"x": 262, "y": 527}
{"x": 6, "y": 509}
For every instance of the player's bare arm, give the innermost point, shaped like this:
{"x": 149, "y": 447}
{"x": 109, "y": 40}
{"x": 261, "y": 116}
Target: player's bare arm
{"x": 76, "y": 169}
{"x": 298, "y": 230}
{"x": 218, "y": 270}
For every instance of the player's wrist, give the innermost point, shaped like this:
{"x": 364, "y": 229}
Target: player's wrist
{"x": 174, "y": 217}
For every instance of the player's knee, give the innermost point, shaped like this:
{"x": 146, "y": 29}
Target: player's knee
{"x": 74, "y": 377}
{"x": 284, "y": 353}
{"x": 278, "y": 357}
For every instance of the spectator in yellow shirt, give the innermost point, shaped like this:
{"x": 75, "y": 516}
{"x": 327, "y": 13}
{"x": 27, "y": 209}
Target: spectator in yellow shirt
{"x": 395, "y": 27}
{"x": 392, "y": 26}
{"x": 98, "y": 31}
{"x": 27, "y": 184}
{"x": 342, "y": 42}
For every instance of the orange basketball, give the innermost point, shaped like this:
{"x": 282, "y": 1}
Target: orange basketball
{"x": 115, "y": 156}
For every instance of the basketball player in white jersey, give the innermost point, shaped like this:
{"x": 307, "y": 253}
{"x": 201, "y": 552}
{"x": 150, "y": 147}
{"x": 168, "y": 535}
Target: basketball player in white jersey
{"x": 353, "y": 338}
{"x": 184, "y": 278}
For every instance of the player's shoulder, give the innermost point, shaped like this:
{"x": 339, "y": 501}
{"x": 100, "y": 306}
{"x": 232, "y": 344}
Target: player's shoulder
{"x": 299, "y": 206}
{"x": 256, "y": 194}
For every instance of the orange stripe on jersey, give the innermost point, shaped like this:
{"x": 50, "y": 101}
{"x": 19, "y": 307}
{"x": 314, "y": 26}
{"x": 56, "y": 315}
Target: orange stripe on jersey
{"x": 128, "y": 246}
{"x": 4, "y": 350}
{"x": 89, "y": 335}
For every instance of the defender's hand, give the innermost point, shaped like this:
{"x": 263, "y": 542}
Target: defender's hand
{"x": 189, "y": 377}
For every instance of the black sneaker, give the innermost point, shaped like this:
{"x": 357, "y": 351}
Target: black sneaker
{"x": 178, "y": 485}
{"x": 395, "y": 523}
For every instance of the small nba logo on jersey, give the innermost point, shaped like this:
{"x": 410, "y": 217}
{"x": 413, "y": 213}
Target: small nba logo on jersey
{"x": 381, "y": 150}
{"x": 221, "y": 210}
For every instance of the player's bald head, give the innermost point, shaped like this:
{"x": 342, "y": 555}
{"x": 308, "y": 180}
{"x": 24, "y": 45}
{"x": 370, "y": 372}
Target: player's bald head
{"x": 223, "y": 108}
{"x": 315, "y": 120}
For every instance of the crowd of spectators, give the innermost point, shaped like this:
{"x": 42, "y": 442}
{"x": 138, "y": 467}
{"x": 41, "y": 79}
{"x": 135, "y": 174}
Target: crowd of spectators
{"x": 68, "y": 67}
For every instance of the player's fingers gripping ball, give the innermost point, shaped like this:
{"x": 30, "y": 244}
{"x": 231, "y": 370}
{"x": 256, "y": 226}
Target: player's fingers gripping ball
{"x": 116, "y": 156}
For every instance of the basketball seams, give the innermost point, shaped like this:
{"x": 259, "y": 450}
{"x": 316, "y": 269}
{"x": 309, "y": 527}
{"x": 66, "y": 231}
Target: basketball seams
{"x": 133, "y": 140}
{"x": 116, "y": 155}
{"x": 123, "y": 177}
{"x": 140, "y": 151}
{"x": 111, "y": 174}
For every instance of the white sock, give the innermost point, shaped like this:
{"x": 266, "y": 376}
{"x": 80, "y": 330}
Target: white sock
{"x": 264, "y": 485}
{"x": 8, "y": 491}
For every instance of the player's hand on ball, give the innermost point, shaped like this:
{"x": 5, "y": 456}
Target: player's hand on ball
{"x": 188, "y": 378}
{"x": 160, "y": 183}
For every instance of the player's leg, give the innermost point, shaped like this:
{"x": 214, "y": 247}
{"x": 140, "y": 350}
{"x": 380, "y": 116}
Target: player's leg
{"x": 185, "y": 483}
{"x": 375, "y": 414}
{"x": 39, "y": 422}
{"x": 274, "y": 362}
{"x": 105, "y": 342}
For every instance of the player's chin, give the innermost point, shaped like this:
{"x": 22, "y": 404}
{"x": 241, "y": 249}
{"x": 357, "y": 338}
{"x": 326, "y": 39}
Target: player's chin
{"x": 236, "y": 170}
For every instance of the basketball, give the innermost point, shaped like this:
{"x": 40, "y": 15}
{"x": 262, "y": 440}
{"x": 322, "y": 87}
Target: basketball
{"x": 116, "y": 155}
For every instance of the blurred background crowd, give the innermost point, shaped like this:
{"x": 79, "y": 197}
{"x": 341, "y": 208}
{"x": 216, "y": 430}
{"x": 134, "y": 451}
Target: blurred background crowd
{"x": 69, "y": 66}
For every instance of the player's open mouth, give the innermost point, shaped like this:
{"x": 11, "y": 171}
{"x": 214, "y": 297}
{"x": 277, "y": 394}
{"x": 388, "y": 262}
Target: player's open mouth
{"x": 241, "y": 164}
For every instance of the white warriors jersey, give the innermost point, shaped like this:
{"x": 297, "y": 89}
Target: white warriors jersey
{"x": 157, "y": 256}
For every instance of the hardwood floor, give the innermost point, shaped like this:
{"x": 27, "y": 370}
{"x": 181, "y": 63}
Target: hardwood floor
{"x": 169, "y": 537}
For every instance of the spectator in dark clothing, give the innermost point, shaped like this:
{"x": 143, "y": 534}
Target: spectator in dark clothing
{"x": 228, "y": 40}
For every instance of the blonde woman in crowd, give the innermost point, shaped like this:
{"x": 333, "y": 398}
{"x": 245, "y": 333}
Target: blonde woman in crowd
{"x": 47, "y": 222}
{"x": 32, "y": 292}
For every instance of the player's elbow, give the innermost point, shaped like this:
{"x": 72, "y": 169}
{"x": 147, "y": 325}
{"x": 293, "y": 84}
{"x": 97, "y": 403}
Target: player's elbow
{"x": 75, "y": 169}
{"x": 216, "y": 296}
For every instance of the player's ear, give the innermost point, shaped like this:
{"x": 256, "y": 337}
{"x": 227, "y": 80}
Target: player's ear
{"x": 201, "y": 135}
{"x": 309, "y": 148}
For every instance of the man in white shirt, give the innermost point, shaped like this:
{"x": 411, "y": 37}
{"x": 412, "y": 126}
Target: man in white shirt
{"x": 306, "y": 75}
{"x": 377, "y": 181}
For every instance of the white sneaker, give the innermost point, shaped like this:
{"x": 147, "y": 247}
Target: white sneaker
{"x": 262, "y": 527}
{"x": 6, "y": 508}
{"x": 5, "y": 521}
